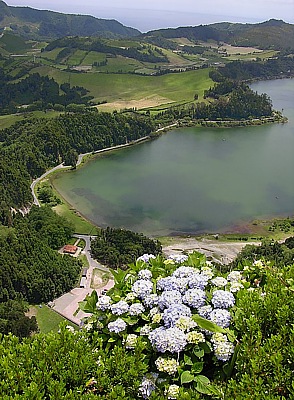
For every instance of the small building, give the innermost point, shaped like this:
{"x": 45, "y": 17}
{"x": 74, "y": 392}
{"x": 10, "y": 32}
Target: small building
{"x": 70, "y": 249}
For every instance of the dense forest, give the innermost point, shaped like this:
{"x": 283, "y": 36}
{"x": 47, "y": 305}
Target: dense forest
{"x": 31, "y": 270}
{"x": 37, "y": 92}
{"x": 229, "y": 100}
{"x": 119, "y": 247}
{"x": 278, "y": 67}
{"x": 30, "y": 147}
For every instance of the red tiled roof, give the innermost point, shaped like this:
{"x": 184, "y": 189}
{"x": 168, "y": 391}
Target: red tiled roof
{"x": 69, "y": 248}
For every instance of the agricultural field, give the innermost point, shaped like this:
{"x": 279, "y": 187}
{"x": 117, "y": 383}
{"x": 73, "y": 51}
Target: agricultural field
{"x": 171, "y": 88}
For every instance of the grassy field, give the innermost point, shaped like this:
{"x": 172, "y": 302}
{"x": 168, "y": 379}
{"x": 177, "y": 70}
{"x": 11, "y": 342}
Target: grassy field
{"x": 7, "y": 120}
{"x": 175, "y": 87}
{"x": 93, "y": 56}
{"x": 77, "y": 57}
{"x": 47, "y": 319}
{"x": 81, "y": 225}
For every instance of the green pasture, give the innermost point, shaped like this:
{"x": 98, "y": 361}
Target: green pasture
{"x": 77, "y": 57}
{"x": 119, "y": 63}
{"x": 52, "y": 54}
{"x": 48, "y": 320}
{"x": 176, "y": 87}
{"x": 93, "y": 56}
{"x": 7, "y": 120}
{"x": 122, "y": 43}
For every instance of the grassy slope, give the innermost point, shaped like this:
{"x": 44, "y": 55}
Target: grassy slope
{"x": 48, "y": 320}
{"x": 176, "y": 87}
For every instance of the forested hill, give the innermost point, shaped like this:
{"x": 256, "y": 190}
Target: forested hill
{"x": 272, "y": 34}
{"x": 43, "y": 24}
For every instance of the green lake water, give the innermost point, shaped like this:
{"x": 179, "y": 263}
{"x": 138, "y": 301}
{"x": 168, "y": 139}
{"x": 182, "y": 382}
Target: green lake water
{"x": 193, "y": 180}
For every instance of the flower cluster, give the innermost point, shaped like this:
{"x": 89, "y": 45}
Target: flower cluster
{"x": 119, "y": 308}
{"x": 117, "y": 326}
{"x": 170, "y": 339}
{"x": 223, "y": 349}
{"x": 168, "y": 365}
{"x": 172, "y": 314}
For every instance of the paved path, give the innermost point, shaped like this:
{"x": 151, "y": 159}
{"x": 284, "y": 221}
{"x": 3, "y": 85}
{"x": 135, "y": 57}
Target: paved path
{"x": 37, "y": 180}
{"x": 67, "y": 305}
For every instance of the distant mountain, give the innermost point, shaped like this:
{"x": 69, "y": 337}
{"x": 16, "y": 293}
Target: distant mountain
{"x": 273, "y": 34}
{"x": 46, "y": 25}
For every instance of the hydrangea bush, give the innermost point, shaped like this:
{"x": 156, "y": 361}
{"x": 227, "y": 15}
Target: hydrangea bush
{"x": 180, "y": 309}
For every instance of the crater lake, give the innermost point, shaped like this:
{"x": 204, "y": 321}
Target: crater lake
{"x": 192, "y": 180}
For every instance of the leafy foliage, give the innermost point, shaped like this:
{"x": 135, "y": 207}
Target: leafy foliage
{"x": 30, "y": 267}
{"x": 119, "y": 247}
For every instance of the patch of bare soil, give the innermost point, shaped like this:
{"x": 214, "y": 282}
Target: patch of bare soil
{"x": 146, "y": 102}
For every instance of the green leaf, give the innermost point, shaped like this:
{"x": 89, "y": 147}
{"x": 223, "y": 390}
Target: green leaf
{"x": 197, "y": 367}
{"x": 89, "y": 304}
{"x": 187, "y": 360}
{"x": 198, "y": 352}
{"x": 187, "y": 377}
{"x": 207, "y": 325}
{"x": 202, "y": 384}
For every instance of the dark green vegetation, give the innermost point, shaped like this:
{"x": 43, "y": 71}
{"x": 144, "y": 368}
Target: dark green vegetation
{"x": 13, "y": 319}
{"x": 31, "y": 269}
{"x": 233, "y": 101}
{"x": 39, "y": 24}
{"x": 32, "y": 146}
{"x": 38, "y": 93}
{"x": 119, "y": 247}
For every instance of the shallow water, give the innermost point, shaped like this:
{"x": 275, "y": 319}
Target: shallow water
{"x": 193, "y": 180}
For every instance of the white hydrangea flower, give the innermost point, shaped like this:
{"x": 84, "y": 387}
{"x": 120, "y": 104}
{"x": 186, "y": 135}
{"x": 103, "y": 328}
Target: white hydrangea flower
{"x": 234, "y": 276}
{"x": 219, "y": 281}
{"x": 195, "y": 337}
{"x": 172, "y": 392}
{"x": 130, "y": 341}
{"x": 168, "y": 365}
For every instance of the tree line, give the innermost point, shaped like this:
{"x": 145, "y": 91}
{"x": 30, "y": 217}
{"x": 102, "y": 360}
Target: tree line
{"x": 38, "y": 92}
{"x": 119, "y": 247}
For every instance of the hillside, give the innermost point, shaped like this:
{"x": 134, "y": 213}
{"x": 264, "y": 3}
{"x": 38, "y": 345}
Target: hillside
{"x": 42, "y": 24}
{"x": 272, "y": 34}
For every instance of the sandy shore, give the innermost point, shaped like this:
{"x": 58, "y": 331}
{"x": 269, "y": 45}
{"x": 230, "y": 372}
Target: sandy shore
{"x": 221, "y": 252}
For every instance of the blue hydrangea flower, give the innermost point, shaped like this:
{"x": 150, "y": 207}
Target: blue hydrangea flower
{"x": 185, "y": 272}
{"x": 103, "y": 303}
{"x": 198, "y": 281}
{"x": 148, "y": 385}
{"x": 117, "y": 326}
{"x": 145, "y": 274}
{"x": 168, "y": 298}
{"x": 150, "y": 300}
{"x": 173, "y": 313}
{"x": 136, "y": 309}
{"x": 171, "y": 339}
{"x": 194, "y": 298}
{"x": 146, "y": 257}
{"x": 172, "y": 283}
{"x": 222, "y": 299}
{"x": 178, "y": 258}
{"x": 205, "y": 311}
{"x": 119, "y": 308}
{"x": 142, "y": 288}
{"x": 220, "y": 317}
